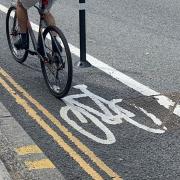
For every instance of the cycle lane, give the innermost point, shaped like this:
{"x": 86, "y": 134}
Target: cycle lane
{"x": 107, "y": 150}
{"x": 112, "y": 92}
{"x": 94, "y": 174}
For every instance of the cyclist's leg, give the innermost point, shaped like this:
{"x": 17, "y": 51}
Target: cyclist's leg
{"x": 49, "y": 18}
{"x": 22, "y": 6}
{"x": 22, "y": 17}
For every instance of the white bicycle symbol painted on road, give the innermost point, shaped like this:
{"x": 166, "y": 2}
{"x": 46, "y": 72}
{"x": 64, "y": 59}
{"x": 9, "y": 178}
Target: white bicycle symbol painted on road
{"x": 110, "y": 113}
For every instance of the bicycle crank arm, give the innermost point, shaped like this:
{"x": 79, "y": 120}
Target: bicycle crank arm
{"x": 33, "y": 53}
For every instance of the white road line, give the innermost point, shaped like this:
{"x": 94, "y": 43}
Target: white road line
{"x": 128, "y": 81}
{"x": 3, "y": 8}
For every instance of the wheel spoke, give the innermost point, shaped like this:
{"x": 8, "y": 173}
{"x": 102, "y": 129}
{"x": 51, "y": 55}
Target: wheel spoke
{"x": 13, "y": 35}
{"x": 59, "y": 78}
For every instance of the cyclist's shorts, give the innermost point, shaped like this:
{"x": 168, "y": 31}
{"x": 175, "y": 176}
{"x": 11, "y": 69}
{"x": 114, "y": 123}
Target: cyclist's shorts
{"x": 29, "y": 3}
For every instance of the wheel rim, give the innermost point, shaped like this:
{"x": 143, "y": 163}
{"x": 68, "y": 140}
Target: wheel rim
{"x": 56, "y": 67}
{"x": 14, "y": 35}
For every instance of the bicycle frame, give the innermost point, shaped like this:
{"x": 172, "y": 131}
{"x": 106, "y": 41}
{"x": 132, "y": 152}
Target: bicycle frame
{"x": 39, "y": 46}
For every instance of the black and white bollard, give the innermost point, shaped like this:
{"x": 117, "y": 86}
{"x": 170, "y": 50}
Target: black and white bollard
{"x": 82, "y": 30}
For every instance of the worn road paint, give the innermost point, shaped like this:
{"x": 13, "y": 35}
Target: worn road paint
{"x": 85, "y": 113}
{"x": 59, "y": 140}
{"x": 31, "y": 149}
{"x": 108, "y": 138}
{"x": 39, "y": 164}
{"x": 92, "y": 156}
{"x": 128, "y": 81}
{"x": 3, "y": 8}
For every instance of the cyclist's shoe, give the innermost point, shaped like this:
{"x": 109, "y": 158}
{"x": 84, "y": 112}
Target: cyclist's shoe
{"x": 22, "y": 42}
{"x": 56, "y": 45}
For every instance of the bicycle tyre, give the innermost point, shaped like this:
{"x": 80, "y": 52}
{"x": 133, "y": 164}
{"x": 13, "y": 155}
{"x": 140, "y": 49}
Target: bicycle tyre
{"x": 8, "y": 31}
{"x": 67, "y": 86}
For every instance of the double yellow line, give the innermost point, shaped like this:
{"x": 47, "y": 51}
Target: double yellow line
{"x": 24, "y": 101}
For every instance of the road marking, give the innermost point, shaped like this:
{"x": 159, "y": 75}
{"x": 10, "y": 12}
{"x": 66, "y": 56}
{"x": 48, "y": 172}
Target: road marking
{"x": 162, "y": 100}
{"x": 108, "y": 112}
{"x": 59, "y": 140}
{"x": 31, "y": 149}
{"x": 128, "y": 81}
{"x": 3, "y": 8}
{"x": 39, "y": 164}
{"x": 63, "y": 129}
{"x": 24, "y": 140}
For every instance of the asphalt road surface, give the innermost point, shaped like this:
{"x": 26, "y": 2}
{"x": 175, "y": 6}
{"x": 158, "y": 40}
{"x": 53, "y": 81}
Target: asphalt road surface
{"x": 109, "y": 126}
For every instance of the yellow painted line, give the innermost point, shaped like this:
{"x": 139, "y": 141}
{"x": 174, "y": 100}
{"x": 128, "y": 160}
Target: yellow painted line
{"x": 59, "y": 140}
{"x": 63, "y": 129}
{"x": 31, "y": 149}
{"x": 39, "y": 164}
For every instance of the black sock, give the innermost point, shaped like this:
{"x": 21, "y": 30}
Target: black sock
{"x": 24, "y": 37}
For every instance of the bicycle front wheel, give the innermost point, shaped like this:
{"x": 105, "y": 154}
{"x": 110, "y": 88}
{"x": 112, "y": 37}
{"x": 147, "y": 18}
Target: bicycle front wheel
{"x": 57, "y": 69}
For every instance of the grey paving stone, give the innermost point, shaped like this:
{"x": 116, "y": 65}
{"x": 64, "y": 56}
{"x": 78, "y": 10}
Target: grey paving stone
{"x": 4, "y": 175}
